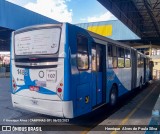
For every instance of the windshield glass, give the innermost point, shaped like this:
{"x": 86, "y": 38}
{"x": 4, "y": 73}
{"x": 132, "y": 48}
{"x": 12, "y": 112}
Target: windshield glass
{"x": 41, "y": 41}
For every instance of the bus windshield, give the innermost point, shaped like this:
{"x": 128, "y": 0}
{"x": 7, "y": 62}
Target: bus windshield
{"x": 35, "y": 42}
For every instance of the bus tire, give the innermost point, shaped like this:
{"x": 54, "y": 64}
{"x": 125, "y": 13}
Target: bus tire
{"x": 113, "y": 96}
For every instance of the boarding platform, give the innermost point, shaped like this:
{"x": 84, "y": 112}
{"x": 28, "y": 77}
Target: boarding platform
{"x": 155, "y": 118}
{"x": 141, "y": 110}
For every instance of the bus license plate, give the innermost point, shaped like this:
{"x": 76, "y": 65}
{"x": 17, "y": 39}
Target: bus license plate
{"x": 51, "y": 75}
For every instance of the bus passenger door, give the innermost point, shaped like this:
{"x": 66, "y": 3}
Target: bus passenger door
{"x": 98, "y": 88}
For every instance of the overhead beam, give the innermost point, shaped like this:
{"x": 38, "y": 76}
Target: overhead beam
{"x": 152, "y": 17}
{"x": 147, "y": 46}
{"x": 121, "y": 12}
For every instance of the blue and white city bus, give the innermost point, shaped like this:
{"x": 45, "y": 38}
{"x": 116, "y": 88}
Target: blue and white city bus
{"x": 65, "y": 71}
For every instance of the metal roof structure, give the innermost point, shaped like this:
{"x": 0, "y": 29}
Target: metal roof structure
{"x": 13, "y": 17}
{"x": 141, "y": 16}
{"x": 113, "y": 29}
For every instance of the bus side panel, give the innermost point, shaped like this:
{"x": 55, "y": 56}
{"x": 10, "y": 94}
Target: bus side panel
{"x": 67, "y": 69}
{"x": 74, "y": 79}
{"x": 126, "y": 78}
{"x": 121, "y": 77}
{"x": 114, "y": 76}
{"x": 80, "y": 80}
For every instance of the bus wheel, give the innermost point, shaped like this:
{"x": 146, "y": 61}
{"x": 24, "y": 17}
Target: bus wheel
{"x": 113, "y": 96}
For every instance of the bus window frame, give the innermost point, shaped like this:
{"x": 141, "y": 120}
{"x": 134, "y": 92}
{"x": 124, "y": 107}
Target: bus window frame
{"x": 94, "y": 48}
{"x": 82, "y": 52}
{"x": 111, "y": 56}
{"x": 142, "y": 61}
{"x": 138, "y": 60}
{"x": 120, "y": 56}
{"x": 129, "y": 58}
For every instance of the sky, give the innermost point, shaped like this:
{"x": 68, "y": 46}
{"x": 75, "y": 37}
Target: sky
{"x": 72, "y": 11}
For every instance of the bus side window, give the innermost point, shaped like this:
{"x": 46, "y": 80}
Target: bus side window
{"x": 112, "y": 56}
{"x": 147, "y": 63}
{"x": 127, "y": 58}
{"x": 94, "y": 67}
{"x": 120, "y": 53}
{"x": 139, "y": 61}
{"x": 109, "y": 50}
{"x": 142, "y": 61}
{"x": 82, "y": 53}
{"x": 114, "y": 51}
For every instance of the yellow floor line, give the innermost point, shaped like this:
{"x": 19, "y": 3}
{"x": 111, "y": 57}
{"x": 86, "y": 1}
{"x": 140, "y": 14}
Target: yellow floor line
{"x": 86, "y": 131}
{"x": 132, "y": 112}
{"x": 127, "y": 117}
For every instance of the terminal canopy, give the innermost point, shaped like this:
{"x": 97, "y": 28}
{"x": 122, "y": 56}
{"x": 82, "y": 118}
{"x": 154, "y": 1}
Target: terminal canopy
{"x": 141, "y": 16}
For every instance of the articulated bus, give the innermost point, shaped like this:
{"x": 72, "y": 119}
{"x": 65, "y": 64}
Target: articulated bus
{"x": 65, "y": 71}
